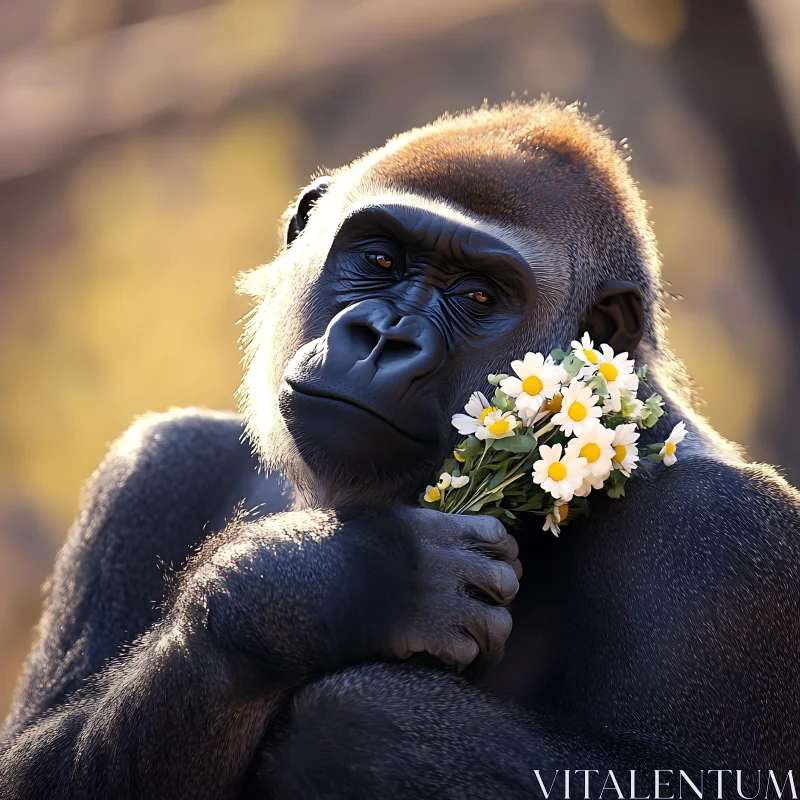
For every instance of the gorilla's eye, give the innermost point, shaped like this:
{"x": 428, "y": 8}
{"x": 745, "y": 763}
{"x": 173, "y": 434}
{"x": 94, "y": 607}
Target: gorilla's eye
{"x": 380, "y": 260}
{"x": 479, "y": 297}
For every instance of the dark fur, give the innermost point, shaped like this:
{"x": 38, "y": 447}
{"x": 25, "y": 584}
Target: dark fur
{"x": 663, "y": 631}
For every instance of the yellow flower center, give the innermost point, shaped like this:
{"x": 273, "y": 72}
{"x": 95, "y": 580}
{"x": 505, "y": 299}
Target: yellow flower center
{"x": 577, "y": 412}
{"x": 498, "y": 427}
{"x": 563, "y": 512}
{"x": 591, "y": 452}
{"x": 555, "y": 404}
{"x": 485, "y": 413}
{"x": 557, "y": 471}
{"x": 532, "y": 385}
{"x": 608, "y": 371}
{"x": 620, "y": 453}
{"x": 591, "y": 356}
{"x": 433, "y": 495}
{"x": 669, "y": 448}
{"x": 458, "y": 456}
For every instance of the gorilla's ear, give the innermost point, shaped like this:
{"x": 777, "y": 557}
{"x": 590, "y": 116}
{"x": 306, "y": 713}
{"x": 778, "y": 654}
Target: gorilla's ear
{"x": 617, "y": 317}
{"x": 304, "y": 206}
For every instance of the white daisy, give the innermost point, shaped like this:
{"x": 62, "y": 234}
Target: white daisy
{"x": 673, "y": 440}
{"x": 538, "y": 379}
{"x": 619, "y": 374}
{"x": 478, "y": 408}
{"x": 594, "y": 444}
{"x": 584, "y": 350}
{"x": 578, "y": 409}
{"x": 591, "y": 482}
{"x": 556, "y": 475}
{"x": 497, "y": 425}
{"x": 553, "y": 520}
{"x": 432, "y": 494}
{"x": 461, "y": 480}
{"x": 626, "y": 452}
{"x": 445, "y": 479}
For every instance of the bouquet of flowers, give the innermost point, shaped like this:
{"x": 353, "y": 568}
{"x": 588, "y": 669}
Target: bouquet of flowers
{"x": 559, "y": 428}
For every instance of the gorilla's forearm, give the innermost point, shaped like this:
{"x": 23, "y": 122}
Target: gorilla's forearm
{"x": 403, "y": 731}
{"x": 263, "y": 607}
{"x": 168, "y": 718}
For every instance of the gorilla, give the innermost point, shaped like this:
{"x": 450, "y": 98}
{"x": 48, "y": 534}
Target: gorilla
{"x": 255, "y": 607}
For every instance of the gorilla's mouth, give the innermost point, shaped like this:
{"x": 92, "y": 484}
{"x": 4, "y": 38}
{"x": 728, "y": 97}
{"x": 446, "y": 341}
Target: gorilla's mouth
{"x": 336, "y": 397}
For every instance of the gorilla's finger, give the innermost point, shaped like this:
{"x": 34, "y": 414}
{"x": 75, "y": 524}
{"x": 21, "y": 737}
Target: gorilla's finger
{"x": 464, "y": 651}
{"x": 497, "y": 579}
{"x": 495, "y": 540}
{"x": 488, "y": 529}
{"x": 490, "y": 626}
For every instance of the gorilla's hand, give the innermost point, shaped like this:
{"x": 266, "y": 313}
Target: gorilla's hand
{"x": 462, "y": 562}
{"x": 303, "y": 592}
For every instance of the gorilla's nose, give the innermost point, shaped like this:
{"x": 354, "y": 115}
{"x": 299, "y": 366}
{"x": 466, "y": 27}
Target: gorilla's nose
{"x": 373, "y": 344}
{"x": 377, "y": 360}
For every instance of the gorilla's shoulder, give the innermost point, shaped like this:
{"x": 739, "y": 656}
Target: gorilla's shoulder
{"x": 177, "y": 459}
{"x": 733, "y": 507}
{"x": 186, "y": 439}
{"x": 181, "y": 433}
{"x": 724, "y": 486}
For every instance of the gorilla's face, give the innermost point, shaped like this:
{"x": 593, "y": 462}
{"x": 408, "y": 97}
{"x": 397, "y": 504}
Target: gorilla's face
{"x": 421, "y": 305}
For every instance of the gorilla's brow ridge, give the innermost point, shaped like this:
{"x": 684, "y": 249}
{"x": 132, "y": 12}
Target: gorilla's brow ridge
{"x": 550, "y": 273}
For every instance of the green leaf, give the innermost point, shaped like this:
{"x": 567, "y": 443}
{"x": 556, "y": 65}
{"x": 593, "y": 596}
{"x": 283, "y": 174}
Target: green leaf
{"x": 599, "y": 384}
{"x": 499, "y": 476}
{"x": 449, "y": 465}
{"x": 518, "y": 443}
{"x": 493, "y": 498}
{"x": 558, "y": 355}
{"x": 533, "y": 504}
{"x": 471, "y": 446}
{"x": 572, "y": 364}
{"x": 628, "y": 404}
{"x": 615, "y": 488}
{"x": 652, "y": 410}
{"x": 502, "y": 401}
{"x": 615, "y": 492}
{"x": 495, "y": 379}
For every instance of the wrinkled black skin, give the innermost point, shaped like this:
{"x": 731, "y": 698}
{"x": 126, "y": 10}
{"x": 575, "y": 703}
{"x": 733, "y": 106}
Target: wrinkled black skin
{"x": 663, "y": 632}
{"x": 399, "y": 337}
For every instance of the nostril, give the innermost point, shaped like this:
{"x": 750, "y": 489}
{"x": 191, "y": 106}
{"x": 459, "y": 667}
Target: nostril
{"x": 364, "y": 340}
{"x": 398, "y": 349}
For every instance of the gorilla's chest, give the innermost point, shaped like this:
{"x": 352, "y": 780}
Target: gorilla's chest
{"x": 560, "y": 655}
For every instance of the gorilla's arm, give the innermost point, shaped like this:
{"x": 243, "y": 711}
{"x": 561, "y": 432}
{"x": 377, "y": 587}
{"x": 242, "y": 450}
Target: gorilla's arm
{"x": 263, "y": 607}
{"x": 180, "y": 708}
{"x": 164, "y": 485}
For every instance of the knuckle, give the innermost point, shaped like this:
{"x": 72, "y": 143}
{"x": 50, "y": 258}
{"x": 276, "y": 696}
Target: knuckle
{"x": 489, "y": 529}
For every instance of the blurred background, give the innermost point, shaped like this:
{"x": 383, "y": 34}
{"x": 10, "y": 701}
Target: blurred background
{"x": 147, "y": 148}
